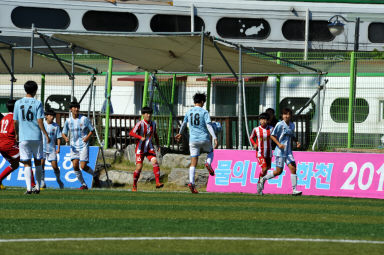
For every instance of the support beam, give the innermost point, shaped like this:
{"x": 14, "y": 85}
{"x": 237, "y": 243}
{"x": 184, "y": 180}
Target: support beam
{"x": 108, "y": 106}
{"x": 239, "y": 96}
{"x": 170, "y": 114}
{"x": 42, "y": 94}
{"x": 145, "y": 91}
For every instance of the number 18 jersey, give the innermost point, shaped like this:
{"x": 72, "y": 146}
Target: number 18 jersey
{"x": 27, "y": 111}
{"x": 197, "y": 119}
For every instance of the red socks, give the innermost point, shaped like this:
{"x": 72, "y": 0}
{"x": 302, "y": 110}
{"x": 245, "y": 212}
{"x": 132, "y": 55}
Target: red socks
{"x": 156, "y": 171}
{"x": 5, "y": 173}
{"x": 136, "y": 176}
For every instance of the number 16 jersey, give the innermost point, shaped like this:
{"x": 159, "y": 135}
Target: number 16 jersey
{"x": 197, "y": 119}
{"x": 27, "y": 111}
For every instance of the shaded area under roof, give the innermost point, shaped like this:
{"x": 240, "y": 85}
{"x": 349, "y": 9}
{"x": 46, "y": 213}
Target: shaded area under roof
{"x": 22, "y": 59}
{"x": 233, "y": 79}
{"x": 142, "y": 78}
{"x": 171, "y": 53}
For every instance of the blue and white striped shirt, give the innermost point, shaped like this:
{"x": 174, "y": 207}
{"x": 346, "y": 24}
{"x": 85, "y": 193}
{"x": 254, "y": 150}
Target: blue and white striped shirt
{"x": 79, "y": 128}
{"x": 54, "y": 133}
{"x": 284, "y": 134}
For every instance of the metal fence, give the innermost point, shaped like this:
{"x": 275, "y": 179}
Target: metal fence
{"x": 330, "y": 113}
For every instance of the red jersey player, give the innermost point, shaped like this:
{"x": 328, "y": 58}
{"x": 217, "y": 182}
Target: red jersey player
{"x": 144, "y": 131}
{"x": 263, "y": 144}
{"x": 8, "y": 144}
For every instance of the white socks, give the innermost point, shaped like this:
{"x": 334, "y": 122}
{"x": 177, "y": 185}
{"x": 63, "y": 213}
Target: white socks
{"x": 269, "y": 175}
{"x": 192, "y": 174}
{"x": 294, "y": 181}
{"x": 27, "y": 174}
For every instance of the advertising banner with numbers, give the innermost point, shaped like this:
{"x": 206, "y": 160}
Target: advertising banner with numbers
{"x": 318, "y": 173}
{"x": 67, "y": 174}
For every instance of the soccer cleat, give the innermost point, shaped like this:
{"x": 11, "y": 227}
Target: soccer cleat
{"x": 28, "y": 192}
{"x": 297, "y": 193}
{"x": 259, "y": 189}
{"x": 43, "y": 185}
{"x": 260, "y": 186}
{"x": 36, "y": 191}
{"x": 61, "y": 185}
{"x": 193, "y": 189}
{"x": 159, "y": 185}
{"x": 83, "y": 187}
{"x": 2, "y": 187}
{"x": 134, "y": 188}
{"x": 210, "y": 170}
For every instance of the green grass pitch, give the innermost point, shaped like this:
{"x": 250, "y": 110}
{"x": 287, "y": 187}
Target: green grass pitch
{"x": 111, "y": 213}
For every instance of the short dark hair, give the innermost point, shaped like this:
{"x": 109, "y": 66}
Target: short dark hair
{"x": 146, "y": 109}
{"x": 50, "y": 112}
{"x": 264, "y": 115}
{"x": 270, "y": 111}
{"x": 199, "y": 98}
{"x": 11, "y": 105}
{"x": 287, "y": 110}
{"x": 74, "y": 104}
{"x": 30, "y": 87}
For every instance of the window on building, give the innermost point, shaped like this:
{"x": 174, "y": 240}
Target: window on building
{"x": 243, "y": 28}
{"x": 110, "y": 21}
{"x": 339, "y": 110}
{"x": 376, "y": 32}
{"x": 294, "y": 30}
{"x": 226, "y": 99}
{"x": 24, "y": 17}
{"x": 175, "y": 23}
{"x": 296, "y": 103}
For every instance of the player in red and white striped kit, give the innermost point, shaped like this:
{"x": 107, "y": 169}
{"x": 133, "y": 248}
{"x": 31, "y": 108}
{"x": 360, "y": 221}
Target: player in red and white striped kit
{"x": 262, "y": 144}
{"x": 8, "y": 144}
{"x": 144, "y": 131}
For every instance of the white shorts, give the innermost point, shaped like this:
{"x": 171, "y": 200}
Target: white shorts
{"x": 279, "y": 161}
{"x": 202, "y": 146}
{"x": 50, "y": 156}
{"x": 82, "y": 154}
{"x": 31, "y": 149}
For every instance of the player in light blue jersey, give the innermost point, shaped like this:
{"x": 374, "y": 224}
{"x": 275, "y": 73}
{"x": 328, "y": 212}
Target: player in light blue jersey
{"x": 50, "y": 151}
{"x": 200, "y": 129}
{"x": 282, "y": 135}
{"x": 28, "y": 116}
{"x": 80, "y": 130}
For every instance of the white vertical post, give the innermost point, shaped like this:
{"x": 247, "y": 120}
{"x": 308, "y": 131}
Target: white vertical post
{"x": 192, "y": 18}
{"x": 240, "y": 107}
{"x": 306, "y": 34}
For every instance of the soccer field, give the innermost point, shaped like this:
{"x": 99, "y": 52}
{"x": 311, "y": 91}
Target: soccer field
{"x": 122, "y": 222}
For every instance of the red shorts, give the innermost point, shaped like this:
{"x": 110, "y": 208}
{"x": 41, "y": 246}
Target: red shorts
{"x": 264, "y": 162}
{"x": 10, "y": 152}
{"x": 140, "y": 157}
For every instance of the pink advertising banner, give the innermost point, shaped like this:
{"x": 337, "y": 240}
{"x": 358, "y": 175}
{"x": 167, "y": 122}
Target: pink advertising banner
{"x": 318, "y": 173}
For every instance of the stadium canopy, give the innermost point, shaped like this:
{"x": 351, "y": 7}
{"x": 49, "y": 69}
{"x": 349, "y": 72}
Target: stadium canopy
{"x": 42, "y": 64}
{"x": 179, "y": 53}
